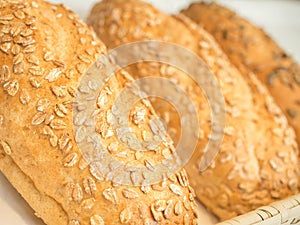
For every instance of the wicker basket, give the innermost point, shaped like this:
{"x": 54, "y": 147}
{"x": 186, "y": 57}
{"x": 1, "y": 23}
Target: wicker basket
{"x": 282, "y": 212}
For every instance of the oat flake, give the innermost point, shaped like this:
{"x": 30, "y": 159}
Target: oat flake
{"x": 97, "y": 220}
{"x": 6, "y": 147}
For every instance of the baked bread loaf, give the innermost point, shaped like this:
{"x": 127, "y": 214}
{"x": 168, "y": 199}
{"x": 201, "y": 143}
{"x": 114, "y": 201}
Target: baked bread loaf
{"x": 252, "y": 50}
{"x": 258, "y": 160}
{"x": 45, "y": 50}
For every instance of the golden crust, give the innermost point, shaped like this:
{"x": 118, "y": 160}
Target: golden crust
{"x": 252, "y": 50}
{"x": 249, "y": 171}
{"x": 36, "y": 199}
{"x": 45, "y": 50}
{"x": 265, "y": 145}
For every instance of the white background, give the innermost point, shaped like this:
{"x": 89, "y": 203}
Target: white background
{"x": 280, "y": 18}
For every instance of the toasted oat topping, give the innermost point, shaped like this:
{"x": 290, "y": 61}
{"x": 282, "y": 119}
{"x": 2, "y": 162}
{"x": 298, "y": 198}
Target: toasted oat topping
{"x": 6, "y": 147}
{"x": 97, "y": 220}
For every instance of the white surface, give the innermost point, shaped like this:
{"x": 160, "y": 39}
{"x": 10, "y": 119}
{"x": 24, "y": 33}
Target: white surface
{"x": 279, "y": 18}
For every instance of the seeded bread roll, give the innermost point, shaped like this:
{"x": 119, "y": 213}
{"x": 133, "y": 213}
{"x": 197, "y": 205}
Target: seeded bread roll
{"x": 252, "y": 50}
{"x": 258, "y": 159}
{"x": 45, "y": 50}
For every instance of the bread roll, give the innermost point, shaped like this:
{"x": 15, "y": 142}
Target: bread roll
{"x": 258, "y": 160}
{"x": 45, "y": 51}
{"x": 252, "y": 50}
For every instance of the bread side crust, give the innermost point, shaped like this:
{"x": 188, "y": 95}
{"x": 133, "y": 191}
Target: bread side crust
{"x": 42, "y": 204}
